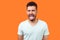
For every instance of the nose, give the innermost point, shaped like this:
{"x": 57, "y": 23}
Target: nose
{"x": 31, "y": 12}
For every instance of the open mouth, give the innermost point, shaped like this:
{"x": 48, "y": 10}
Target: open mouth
{"x": 31, "y": 16}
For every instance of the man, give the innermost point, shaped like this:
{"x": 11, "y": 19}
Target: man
{"x": 32, "y": 28}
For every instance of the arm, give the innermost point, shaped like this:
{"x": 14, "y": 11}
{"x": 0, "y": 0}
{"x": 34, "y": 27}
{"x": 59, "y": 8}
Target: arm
{"x": 20, "y": 37}
{"x": 45, "y": 37}
{"x": 46, "y": 32}
{"x": 20, "y": 32}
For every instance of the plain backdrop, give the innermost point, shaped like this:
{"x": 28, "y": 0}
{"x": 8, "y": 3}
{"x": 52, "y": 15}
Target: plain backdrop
{"x": 12, "y": 12}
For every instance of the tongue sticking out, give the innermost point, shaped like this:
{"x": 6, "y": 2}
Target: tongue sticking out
{"x": 31, "y": 17}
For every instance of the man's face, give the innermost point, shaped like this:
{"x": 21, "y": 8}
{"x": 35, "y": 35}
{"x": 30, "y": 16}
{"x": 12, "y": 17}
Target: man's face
{"x": 31, "y": 12}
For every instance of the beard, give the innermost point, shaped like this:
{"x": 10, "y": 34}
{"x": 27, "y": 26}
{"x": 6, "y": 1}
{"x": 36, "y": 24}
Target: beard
{"x": 32, "y": 17}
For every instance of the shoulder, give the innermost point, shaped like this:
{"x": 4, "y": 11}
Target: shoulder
{"x": 43, "y": 23}
{"x": 23, "y": 23}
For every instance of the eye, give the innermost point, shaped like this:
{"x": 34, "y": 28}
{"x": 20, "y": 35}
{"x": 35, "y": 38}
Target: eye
{"x": 33, "y": 10}
{"x": 28, "y": 10}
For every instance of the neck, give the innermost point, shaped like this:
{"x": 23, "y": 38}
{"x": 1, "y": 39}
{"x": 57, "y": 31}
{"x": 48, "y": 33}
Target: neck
{"x": 34, "y": 21}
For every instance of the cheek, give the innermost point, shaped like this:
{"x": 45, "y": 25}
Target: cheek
{"x": 34, "y": 13}
{"x": 27, "y": 13}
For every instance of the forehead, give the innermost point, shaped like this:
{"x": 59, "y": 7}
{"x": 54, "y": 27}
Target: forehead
{"x": 31, "y": 8}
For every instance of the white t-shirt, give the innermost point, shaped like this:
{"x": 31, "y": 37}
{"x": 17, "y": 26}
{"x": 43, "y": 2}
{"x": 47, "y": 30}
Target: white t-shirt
{"x": 33, "y": 33}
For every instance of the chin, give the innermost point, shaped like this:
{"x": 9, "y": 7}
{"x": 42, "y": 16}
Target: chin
{"x": 32, "y": 19}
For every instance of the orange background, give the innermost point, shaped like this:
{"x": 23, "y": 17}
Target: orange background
{"x": 12, "y": 12}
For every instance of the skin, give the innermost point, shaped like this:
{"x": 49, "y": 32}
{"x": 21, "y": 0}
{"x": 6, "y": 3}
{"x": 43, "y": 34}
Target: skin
{"x": 31, "y": 10}
{"x": 45, "y": 37}
{"x": 20, "y": 37}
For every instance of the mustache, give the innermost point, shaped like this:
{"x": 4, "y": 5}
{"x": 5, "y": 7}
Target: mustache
{"x": 31, "y": 15}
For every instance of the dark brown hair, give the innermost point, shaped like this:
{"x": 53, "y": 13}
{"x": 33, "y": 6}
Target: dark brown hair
{"x": 32, "y": 4}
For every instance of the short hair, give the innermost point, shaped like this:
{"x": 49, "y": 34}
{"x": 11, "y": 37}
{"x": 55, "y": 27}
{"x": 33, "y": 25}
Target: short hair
{"x": 32, "y": 4}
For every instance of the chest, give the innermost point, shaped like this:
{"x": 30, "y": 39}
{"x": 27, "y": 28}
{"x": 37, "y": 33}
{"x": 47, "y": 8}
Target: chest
{"x": 37, "y": 30}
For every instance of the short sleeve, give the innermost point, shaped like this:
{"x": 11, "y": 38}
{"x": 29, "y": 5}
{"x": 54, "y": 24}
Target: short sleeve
{"x": 46, "y": 31}
{"x": 20, "y": 31}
